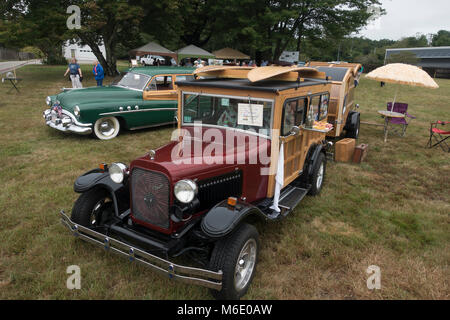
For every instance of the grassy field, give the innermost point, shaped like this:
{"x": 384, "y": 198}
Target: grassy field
{"x": 392, "y": 211}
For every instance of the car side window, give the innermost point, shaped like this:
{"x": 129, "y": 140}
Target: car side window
{"x": 293, "y": 114}
{"x": 324, "y": 101}
{"x": 160, "y": 83}
{"x": 315, "y": 105}
{"x": 319, "y": 104}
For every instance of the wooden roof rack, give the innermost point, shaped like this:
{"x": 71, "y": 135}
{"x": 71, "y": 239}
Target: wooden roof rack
{"x": 234, "y": 72}
{"x": 284, "y": 73}
{"x": 353, "y": 66}
{"x": 276, "y": 73}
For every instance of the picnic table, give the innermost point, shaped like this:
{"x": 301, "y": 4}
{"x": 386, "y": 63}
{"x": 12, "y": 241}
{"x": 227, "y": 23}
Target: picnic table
{"x": 389, "y": 115}
{"x": 13, "y": 81}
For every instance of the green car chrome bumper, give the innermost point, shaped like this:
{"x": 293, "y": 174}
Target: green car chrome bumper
{"x": 66, "y": 123}
{"x": 196, "y": 276}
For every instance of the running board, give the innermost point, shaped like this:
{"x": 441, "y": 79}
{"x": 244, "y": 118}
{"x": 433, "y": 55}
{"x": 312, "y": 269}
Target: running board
{"x": 290, "y": 198}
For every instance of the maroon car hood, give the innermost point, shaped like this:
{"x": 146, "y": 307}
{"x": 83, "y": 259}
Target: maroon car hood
{"x": 196, "y": 159}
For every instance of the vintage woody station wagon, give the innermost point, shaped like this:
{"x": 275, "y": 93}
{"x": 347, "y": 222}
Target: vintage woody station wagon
{"x": 250, "y": 143}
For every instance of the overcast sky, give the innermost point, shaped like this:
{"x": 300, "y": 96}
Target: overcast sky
{"x": 405, "y": 18}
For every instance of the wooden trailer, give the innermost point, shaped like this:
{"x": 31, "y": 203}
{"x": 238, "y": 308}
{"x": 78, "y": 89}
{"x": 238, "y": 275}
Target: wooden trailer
{"x": 342, "y": 110}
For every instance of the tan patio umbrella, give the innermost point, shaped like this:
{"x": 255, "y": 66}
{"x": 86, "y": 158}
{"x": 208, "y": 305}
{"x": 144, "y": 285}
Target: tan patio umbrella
{"x": 403, "y": 74}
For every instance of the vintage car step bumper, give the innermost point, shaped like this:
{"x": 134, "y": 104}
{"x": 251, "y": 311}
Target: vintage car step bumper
{"x": 202, "y": 277}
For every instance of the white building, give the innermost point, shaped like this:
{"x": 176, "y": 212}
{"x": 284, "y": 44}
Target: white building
{"x": 83, "y": 54}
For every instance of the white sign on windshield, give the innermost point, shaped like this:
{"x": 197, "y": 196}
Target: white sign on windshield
{"x": 250, "y": 114}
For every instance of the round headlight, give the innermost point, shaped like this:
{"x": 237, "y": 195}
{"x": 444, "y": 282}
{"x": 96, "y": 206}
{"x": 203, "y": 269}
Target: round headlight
{"x": 48, "y": 101}
{"x": 185, "y": 191}
{"x": 76, "y": 111}
{"x": 118, "y": 172}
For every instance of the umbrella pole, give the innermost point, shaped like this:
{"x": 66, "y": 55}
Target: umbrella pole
{"x": 395, "y": 98}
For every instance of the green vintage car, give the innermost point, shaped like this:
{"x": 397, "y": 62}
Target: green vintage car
{"x": 142, "y": 98}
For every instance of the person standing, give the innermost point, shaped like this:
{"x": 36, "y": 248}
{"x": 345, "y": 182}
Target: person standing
{"x": 358, "y": 76}
{"x": 99, "y": 74}
{"x": 75, "y": 74}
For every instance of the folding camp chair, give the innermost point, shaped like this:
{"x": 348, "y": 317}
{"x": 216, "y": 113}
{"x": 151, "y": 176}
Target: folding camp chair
{"x": 439, "y": 136}
{"x": 403, "y": 109}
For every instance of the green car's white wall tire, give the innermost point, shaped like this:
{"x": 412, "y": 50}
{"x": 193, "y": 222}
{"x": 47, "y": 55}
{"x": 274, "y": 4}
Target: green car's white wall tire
{"x": 106, "y": 128}
{"x": 237, "y": 256}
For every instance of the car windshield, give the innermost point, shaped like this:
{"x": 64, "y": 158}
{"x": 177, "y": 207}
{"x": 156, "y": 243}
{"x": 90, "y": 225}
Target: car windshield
{"x": 253, "y": 115}
{"x": 133, "y": 81}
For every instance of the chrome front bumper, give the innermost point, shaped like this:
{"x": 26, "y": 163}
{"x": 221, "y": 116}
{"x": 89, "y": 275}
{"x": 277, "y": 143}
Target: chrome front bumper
{"x": 202, "y": 277}
{"x": 67, "y": 123}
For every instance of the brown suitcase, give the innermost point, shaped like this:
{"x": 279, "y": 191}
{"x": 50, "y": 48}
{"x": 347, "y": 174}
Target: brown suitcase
{"x": 344, "y": 150}
{"x": 360, "y": 153}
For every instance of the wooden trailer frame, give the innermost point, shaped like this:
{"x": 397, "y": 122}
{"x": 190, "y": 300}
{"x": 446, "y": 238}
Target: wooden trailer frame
{"x": 342, "y": 92}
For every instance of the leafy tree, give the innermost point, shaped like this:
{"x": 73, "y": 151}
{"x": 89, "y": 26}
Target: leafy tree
{"x": 43, "y": 24}
{"x": 34, "y": 23}
{"x": 370, "y": 62}
{"x": 403, "y": 57}
{"x": 442, "y": 38}
{"x": 108, "y": 22}
{"x": 277, "y": 25}
{"x": 262, "y": 28}
{"x": 176, "y": 23}
{"x": 420, "y": 40}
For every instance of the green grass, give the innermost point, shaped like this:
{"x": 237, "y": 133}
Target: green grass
{"x": 391, "y": 211}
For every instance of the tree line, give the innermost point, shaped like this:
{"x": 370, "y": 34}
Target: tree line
{"x": 319, "y": 29}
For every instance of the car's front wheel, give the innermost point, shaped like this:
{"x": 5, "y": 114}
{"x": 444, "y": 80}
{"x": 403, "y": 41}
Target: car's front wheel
{"x": 236, "y": 255}
{"x": 92, "y": 208}
{"x": 106, "y": 128}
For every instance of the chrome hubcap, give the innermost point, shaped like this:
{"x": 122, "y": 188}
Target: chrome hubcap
{"x": 245, "y": 265}
{"x": 320, "y": 176}
{"x": 107, "y": 128}
{"x": 96, "y": 211}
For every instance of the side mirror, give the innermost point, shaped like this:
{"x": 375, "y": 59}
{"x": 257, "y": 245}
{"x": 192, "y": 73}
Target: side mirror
{"x": 295, "y": 131}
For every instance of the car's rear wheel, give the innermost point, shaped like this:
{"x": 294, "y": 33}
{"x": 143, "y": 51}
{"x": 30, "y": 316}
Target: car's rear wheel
{"x": 318, "y": 175}
{"x": 236, "y": 255}
{"x": 92, "y": 208}
{"x": 106, "y": 128}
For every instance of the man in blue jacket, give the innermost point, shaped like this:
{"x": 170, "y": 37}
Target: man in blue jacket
{"x": 99, "y": 74}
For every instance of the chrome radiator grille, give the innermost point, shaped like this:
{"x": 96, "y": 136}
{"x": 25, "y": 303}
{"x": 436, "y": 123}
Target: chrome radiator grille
{"x": 150, "y": 194}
